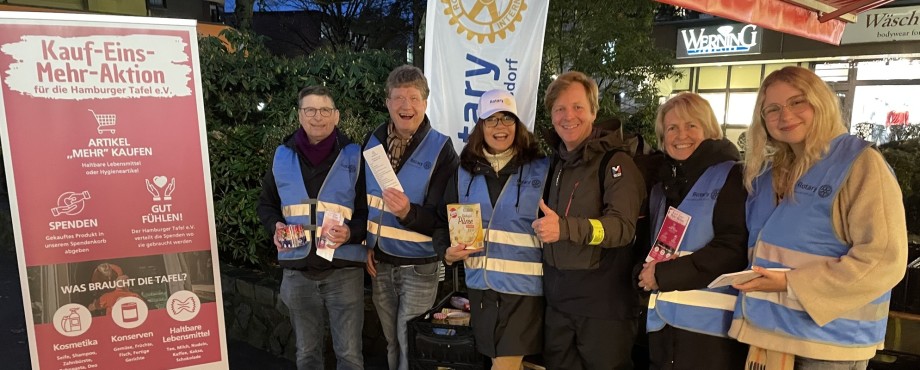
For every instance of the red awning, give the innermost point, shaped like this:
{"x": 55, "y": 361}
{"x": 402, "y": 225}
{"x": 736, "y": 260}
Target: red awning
{"x": 821, "y": 20}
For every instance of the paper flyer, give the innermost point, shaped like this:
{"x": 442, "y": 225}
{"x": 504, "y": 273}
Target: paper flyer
{"x": 739, "y": 277}
{"x": 669, "y": 236}
{"x": 379, "y": 164}
{"x": 330, "y": 218}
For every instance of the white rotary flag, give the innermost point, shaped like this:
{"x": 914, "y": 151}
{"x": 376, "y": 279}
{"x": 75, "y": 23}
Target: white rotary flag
{"x": 473, "y": 46}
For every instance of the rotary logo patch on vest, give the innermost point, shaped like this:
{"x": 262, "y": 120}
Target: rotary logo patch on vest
{"x": 426, "y": 164}
{"x": 484, "y": 19}
{"x": 824, "y": 191}
{"x": 616, "y": 171}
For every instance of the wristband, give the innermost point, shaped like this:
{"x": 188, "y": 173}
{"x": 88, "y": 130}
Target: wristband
{"x": 597, "y": 232}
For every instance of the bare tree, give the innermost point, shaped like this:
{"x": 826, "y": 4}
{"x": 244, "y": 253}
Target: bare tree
{"x": 356, "y": 24}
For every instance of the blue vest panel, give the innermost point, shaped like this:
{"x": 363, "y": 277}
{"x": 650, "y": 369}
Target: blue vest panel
{"x": 383, "y": 228}
{"x": 773, "y": 243}
{"x": 512, "y": 260}
{"x": 707, "y": 311}
{"x": 337, "y": 193}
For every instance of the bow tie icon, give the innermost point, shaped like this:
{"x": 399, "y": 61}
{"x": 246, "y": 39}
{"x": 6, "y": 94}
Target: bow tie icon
{"x": 177, "y": 306}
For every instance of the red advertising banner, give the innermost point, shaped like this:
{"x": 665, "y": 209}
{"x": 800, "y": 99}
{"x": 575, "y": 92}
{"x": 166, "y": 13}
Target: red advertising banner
{"x": 104, "y": 141}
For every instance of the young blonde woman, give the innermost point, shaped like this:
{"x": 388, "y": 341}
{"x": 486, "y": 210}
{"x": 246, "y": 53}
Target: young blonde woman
{"x": 502, "y": 170}
{"x": 824, "y": 205}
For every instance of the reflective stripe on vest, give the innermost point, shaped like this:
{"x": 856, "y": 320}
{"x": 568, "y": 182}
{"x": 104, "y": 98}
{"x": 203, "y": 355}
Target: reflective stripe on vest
{"x": 511, "y": 261}
{"x": 383, "y": 228}
{"x": 775, "y": 246}
{"x": 707, "y": 311}
{"x": 337, "y": 193}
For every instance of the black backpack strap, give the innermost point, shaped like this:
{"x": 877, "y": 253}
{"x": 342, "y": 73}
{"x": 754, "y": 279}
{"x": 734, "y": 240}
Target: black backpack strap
{"x": 552, "y": 169}
{"x": 602, "y": 169}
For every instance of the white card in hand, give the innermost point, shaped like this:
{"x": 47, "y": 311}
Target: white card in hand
{"x": 739, "y": 277}
{"x": 379, "y": 163}
{"x": 330, "y": 218}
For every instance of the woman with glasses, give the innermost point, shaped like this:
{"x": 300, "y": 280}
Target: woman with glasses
{"x": 502, "y": 170}
{"x": 701, "y": 177}
{"x": 827, "y": 233}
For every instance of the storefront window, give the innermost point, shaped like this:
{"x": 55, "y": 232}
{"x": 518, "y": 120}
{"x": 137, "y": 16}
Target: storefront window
{"x": 682, "y": 83}
{"x": 740, "y": 108}
{"x": 737, "y": 136}
{"x": 745, "y": 77}
{"x": 884, "y": 113}
{"x": 892, "y": 69}
{"x": 769, "y": 68}
{"x": 713, "y": 78}
{"x": 717, "y": 102}
{"x": 833, "y": 72}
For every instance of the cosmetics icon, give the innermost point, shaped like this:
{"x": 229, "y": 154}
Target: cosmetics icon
{"x": 72, "y": 319}
{"x": 71, "y": 322}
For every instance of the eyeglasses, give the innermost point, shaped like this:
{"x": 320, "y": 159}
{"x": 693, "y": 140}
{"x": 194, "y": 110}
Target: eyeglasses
{"x": 795, "y": 104}
{"x": 492, "y": 122}
{"x": 400, "y": 100}
{"x": 310, "y": 112}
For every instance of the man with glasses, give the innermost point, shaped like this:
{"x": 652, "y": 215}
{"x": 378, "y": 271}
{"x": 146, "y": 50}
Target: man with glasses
{"x": 401, "y": 259}
{"x": 314, "y": 178}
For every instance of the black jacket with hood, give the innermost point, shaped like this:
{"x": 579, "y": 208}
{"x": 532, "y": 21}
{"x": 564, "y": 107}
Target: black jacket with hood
{"x": 593, "y": 280}
{"x": 727, "y": 251}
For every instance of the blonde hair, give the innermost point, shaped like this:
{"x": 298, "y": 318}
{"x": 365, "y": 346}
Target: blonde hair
{"x": 827, "y": 123}
{"x": 692, "y": 107}
{"x": 563, "y": 82}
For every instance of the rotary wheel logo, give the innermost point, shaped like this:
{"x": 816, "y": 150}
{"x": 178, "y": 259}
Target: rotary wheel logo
{"x": 485, "y": 18}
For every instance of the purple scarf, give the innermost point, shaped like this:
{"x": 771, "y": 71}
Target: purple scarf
{"x": 315, "y": 153}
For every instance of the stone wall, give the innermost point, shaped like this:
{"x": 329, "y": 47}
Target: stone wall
{"x": 253, "y": 311}
{"x": 255, "y": 314}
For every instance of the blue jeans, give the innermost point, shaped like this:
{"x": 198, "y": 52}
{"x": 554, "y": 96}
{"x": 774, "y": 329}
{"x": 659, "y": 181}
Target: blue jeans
{"x": 341, "y": 294}
{"x": 805, "y": 363}
{"x": 400, "y": 294}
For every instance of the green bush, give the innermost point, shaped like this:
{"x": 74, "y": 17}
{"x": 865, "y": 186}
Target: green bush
{"x": 902, "y": 156}
{"x": 250, "y": 98}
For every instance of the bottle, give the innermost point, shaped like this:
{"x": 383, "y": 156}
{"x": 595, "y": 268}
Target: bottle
{"x": 72, "y": 322}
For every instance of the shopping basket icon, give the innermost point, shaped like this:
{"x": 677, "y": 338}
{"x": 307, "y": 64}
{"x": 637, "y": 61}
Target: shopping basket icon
{"x": 106, "y": 122}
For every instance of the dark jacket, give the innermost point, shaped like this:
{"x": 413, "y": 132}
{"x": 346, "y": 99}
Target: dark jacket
{"x": 583, "y": 279}
{"x": 727, "y": 251}
{"x": 269, "y": 208}
{"x": 422, "y": 218}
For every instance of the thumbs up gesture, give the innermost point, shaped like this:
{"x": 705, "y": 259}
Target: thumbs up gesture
{"x": 547, "y": 227}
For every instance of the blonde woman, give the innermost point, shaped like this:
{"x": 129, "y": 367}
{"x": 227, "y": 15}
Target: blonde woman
{"x": 824, "y": 205}
{"x": 701, "y": 176}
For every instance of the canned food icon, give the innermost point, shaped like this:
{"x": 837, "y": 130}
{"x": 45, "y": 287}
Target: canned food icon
{"x": 129, "y": 312}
